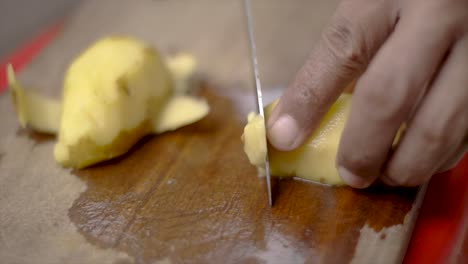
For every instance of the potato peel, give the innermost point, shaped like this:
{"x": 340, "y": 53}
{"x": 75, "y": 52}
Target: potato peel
{"x": 175, "y": 114}
{"x": 36, "y": 111}
{"x": 182, "y": 67}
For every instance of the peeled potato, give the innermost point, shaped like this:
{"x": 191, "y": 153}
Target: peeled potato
{"x": 314, "y": 160}
{"x": 111, "y": 92}
{"x": 115, "y": 92}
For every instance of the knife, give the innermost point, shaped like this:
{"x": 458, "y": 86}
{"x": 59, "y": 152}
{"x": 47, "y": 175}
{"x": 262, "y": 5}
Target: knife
{"x": 258, "y": 86}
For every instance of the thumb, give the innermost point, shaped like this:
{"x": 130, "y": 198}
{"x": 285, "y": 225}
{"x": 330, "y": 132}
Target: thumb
{"x": 356, "y": 32}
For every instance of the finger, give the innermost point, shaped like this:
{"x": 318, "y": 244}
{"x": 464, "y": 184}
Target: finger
{"x": 439, "y": 126}
{"x": 385, "y": 94}
{"x": 354, "y": 35}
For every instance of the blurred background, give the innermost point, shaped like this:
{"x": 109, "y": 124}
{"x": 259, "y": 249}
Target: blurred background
{"x": 214, "y": 31}
{"x": 21, "y": 19}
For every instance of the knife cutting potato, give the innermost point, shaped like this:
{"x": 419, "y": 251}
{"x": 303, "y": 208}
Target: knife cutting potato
{"x": 411, "y": 61}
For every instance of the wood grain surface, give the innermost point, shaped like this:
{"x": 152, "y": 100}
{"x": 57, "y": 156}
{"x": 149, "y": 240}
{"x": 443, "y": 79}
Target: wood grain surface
{"x": 188, "y": 196}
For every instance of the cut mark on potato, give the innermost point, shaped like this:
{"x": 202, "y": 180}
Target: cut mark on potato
{"x": 34, "y": 110}
{"x": 180, "y": 111}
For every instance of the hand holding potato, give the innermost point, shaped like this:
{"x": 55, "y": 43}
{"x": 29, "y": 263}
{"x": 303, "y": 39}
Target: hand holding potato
{"x": 410, "y": 59}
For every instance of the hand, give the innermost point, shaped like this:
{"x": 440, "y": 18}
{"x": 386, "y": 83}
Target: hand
{"x": 410, "y": 60}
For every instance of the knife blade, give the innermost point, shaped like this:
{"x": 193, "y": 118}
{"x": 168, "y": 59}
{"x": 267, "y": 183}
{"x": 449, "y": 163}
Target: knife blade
{"x": 258, "y": 88}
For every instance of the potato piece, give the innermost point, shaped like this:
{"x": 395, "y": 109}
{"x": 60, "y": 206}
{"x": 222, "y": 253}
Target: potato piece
{"x": 35, "y": 111}
{"x": 314, "y": 160}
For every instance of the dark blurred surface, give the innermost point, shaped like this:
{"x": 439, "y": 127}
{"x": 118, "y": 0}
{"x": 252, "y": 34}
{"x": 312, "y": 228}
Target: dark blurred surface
{"x": 21, "y": 19}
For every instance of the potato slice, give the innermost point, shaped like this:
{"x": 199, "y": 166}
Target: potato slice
{"x": 314, "y": 160}
{"x": 255, "y": 144}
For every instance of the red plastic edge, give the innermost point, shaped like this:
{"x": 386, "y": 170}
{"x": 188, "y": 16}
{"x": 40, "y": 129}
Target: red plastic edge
{"x": 441, "y": 229}
{"x": 25, "y": 53}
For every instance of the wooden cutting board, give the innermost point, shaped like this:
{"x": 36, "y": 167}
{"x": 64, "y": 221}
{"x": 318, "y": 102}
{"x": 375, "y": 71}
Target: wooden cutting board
{"x": 188, "y": 196}
{"x": 191, "y": 195}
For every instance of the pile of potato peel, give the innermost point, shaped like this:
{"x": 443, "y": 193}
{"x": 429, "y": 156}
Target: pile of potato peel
{"x": 114, "y": 93}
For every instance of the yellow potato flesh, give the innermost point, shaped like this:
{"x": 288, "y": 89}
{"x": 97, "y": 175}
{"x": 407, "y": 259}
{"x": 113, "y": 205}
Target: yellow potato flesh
{"x": 254, "y": 139}
{"x": 113, "y": 89}
{"x": 314, "y": 160}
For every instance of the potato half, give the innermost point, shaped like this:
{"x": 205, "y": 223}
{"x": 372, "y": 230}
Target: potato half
{"x": 314, "y": 160}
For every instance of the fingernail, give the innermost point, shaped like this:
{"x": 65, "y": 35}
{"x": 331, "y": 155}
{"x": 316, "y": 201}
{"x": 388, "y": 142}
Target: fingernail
{"x": 284, "y": 132}
{"x": 351, "y": 179}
